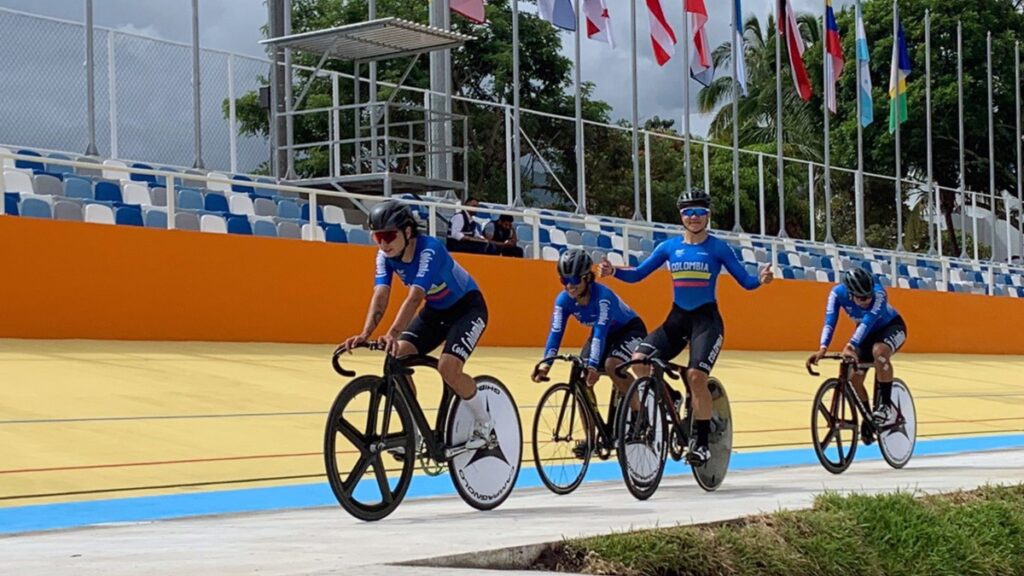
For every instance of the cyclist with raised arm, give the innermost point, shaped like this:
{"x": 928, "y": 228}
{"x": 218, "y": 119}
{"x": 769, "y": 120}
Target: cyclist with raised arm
{"x": 695, "y": 261}
{"x": 880, "y": 333}
{"x": 616, "y": 330}
{"x": 453, "y": 309}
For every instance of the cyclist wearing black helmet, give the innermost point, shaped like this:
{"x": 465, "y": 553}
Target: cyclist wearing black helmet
{"x": 694, "y": 260}
{"x": 615, "y": 328}
{"x": 880, "y": 333}
{"x": 454, "y": 311}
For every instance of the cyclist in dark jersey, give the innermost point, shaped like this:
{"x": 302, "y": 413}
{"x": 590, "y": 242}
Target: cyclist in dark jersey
{"x": 880, "y": 333}
{"x": 615, "y": 328}
{"x": 694, "y": 260}
{"x": 453, "y": 312}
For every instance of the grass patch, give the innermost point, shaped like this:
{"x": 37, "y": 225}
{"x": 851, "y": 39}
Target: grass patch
{"x": 978, "y": 532}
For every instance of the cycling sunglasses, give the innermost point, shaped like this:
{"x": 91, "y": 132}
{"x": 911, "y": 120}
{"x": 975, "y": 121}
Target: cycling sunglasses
{"x": 385, "y": 236}
{"x": 571, "y": 280}
{"x": 691, "y": 212}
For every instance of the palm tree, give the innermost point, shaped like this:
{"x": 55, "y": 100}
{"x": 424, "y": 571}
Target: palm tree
{"x": 802, "y": 129}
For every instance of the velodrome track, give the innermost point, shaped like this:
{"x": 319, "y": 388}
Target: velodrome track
{"x": 227, "y": 438}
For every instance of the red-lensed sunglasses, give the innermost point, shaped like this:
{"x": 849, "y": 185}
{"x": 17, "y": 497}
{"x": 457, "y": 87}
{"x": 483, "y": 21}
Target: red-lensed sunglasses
{"x": 385, "y": 236}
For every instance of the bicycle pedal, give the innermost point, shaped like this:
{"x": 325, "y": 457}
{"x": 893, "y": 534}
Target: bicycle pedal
{"x": 430, "y": 466}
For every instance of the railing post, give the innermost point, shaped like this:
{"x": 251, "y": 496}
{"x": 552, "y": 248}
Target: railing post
{"x": 3, "y": 187}
{"x": 536, "y": 236}
{"x": 810, "y": 200}
{"x": 172, "y": 200}
{"x": 432, "y": 220}
{"x": 625, "y": 244}
{"x": 313, "y": 224}
{"x": 760, "y": 191}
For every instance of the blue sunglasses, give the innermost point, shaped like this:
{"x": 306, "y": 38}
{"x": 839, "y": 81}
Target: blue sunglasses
{"x": 691, "y": 212}
{"x": 570, "y": 280}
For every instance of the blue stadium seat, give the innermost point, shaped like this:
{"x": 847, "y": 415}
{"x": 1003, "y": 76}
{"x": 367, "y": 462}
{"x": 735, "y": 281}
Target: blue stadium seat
{"x": 604, "y": 242}
{"x": 29, "y": 164}
{"x": 826, "y": 263}
{"x": 156, "y": 219}
{"x": 305, "y": 213}
{"x": 142, "y": 177}
{"x": 264, "y": 228}
{"x": 787, "y": 273}
{"x": 590, "y": 239}
{"x": 216, "y": 203}
{"x": 524, "y": 232}
{"x": 11, "y": 201}
{"x": 289, "y": 209}
{"x": 545, "y": 236}
{"x": 334, "y": 233}
{"x": 35, "y": 208}
{"x": 246, "y": 189}
{"x": 189, "y": 199}
{"x": 77, "y": 187}
{"x": 359, "y": 236}
{"x": 239, "y": 225}
{"x": 108, "y": 192}
{"x": 59, "y": 170}
{"x": 128, "y": 216}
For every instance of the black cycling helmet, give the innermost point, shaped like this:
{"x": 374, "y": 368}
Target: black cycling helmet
{"x": 696, "y": 197}
{"x": 574, "y": 263}
{"x": 391, "y": 215}
{"x": 859, "y": 282}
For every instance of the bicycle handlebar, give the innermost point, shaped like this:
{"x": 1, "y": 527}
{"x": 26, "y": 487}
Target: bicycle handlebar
{"x": 565, "y": 357}
{"x": 671, "y": 370}
{"x": 336, "y": 362}
{"x": 843, "y": 359}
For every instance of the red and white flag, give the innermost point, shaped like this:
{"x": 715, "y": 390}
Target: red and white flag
{"x": 663, "y": 39}
{"x": 701, "y": 67}
{"x": 472, "y": 9}
{"x": 789, "y": 30}
{"x": 599, "y": 22}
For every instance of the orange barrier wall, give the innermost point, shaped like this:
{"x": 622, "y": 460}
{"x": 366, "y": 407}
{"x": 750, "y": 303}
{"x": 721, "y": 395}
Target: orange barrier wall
{"x": 76, "y": 280}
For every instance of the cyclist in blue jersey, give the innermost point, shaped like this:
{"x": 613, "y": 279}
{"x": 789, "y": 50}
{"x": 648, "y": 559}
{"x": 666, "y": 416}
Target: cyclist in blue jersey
{"x": 615, "y": 329}
{"x": 453, "y": 312}
{"x": 694, "y": 260}
{"x": 880, "y": 333}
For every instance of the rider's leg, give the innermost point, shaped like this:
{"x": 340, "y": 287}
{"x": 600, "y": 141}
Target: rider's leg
{"x": 406, "y": 348}
{"x": 883, "y": 372}
{"x": 701, "y": 398}
{"x": 857, "y": 380}
{"x": 707, "y": 338}
{"x": 621, "y": 384}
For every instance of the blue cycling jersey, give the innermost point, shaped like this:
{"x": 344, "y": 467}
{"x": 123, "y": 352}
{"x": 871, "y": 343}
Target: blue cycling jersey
{"x": 604, "y": 312}
{"x": 877, "y": 315}
{"x": 432, "y": 269}
{"x": 694, "y": 268}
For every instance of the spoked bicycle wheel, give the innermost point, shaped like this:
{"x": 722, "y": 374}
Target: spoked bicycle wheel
{"x": 896, "y": 439}
{"x": 562, "y": 439}
{"x": 485, "y": 477}
{"x": 834, "y": 429}
{"x": 711, "y": 474}
{"x": 364, "y": 428}
{"x": 642, "y": 438}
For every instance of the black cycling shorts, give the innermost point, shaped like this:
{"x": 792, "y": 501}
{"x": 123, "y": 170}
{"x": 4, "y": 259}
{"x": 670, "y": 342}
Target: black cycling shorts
{"x": 893, "y": 334}
{"x": 620, "y": 344}
{"x": 459, "y": 327}
{"x": 702, "y": 328}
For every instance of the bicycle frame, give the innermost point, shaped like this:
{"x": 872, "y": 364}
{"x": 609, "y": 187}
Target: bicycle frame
{"x": 846, "y": 368}
{"x": 577, "y": 381}
{"x": 660, "y": 369}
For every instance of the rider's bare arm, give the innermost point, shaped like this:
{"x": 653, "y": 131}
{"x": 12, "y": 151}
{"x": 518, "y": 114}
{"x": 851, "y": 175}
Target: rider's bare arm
{"x": 408, "y": 310}
{"x": 378, "y": 305}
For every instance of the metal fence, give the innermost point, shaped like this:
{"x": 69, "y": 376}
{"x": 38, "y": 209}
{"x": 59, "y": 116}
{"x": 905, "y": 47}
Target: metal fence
{"x": 144, "y": 113}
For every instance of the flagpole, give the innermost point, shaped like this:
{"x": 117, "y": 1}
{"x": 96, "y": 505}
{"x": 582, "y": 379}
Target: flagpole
{"x": 778, "y": 118}
{"x": 991, "y": 151}
{"x": 736, "y": 48}
{"x": 828, "y": 88}
{"x": 1020, "y": 196}
{"x": 581, "y": 184}
{"x": 517, "y": 168}
{"x": 928, "y": 126}
{"x": 960, "y": 106}
{"x": 686, "y": 98}
{"x": 858, "y": 192}
{"x": 636, "y": 133}
{"x": 896, "y": 109}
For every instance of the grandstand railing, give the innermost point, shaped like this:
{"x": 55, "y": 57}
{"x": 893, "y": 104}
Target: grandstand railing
{"x": 626, "y": 229}
{"x": 137, "y": 68}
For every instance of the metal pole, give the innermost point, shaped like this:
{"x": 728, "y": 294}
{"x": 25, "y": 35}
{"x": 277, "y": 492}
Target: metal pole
{"x": 647, "y": 173}
{"x": 581, "y": 185}
{"x": 289, "y": 101}
{"x": 1020, "y": 166}
{"x": 932, "y": 213}
{"x": 991, "y": 151}
{"x": 336, "y": 122}
{"x": 371, "y": 12}
{"x": 112, "y": 92}
{"x": 778, "y": 121}
{"x": 827, "y": 175}
{"x": 509, "y": 177}
{"x": 960, "y": 106}
{"x": 687, "y": 41}
{"x": 635, "y": 131}
{"x": 437, "y": 159}
{"x": 858, "y": 192}
{"x": 90, "y": 80}
{"x": 899, "y": 170}
{"x": 517, "y": 168}
{"x": 232, "y": 115}
{"x": 197, "y": 122}
{"x": 736, "y": 48}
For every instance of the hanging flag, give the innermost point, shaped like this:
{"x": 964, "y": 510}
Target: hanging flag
{"x": 702, "y": 69}
{"x": 898, "y": 79}
{"x": 663, "y": 39}
{"x": 737, "y": 35}
{"x": 472, "y": 9}
{"x": 558, "y": 12}
{"x": 789, "y": 30}
{"x": 867, "y": 112}
{"x": 599, "y": 23}
{"x": 834, "y": 62}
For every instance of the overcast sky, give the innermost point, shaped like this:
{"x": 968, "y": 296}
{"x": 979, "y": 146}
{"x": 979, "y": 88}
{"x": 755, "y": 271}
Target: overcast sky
{"x": 233, "y": 25}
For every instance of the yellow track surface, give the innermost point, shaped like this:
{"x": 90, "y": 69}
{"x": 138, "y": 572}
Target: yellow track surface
{"x": 84, "y": 420}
